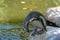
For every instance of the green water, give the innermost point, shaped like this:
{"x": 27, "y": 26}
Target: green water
{"x": 14, "y": 11}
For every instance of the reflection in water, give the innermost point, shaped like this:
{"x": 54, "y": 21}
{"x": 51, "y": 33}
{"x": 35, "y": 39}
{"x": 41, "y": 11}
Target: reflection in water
{"x": 7, "y": 35}
{"x": 11, "y": 37}
{"x": 1, "y": 1}
{"x": 8, "y": 27}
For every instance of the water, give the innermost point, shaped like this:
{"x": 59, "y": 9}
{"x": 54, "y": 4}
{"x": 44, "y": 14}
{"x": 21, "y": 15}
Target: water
{"x": 8, "y": 27}
{"x": 11, "y": 37}
{"x": 7, "y": 35}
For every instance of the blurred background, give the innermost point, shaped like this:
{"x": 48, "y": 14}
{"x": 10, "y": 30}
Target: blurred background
{"x": 13, "y": 12}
